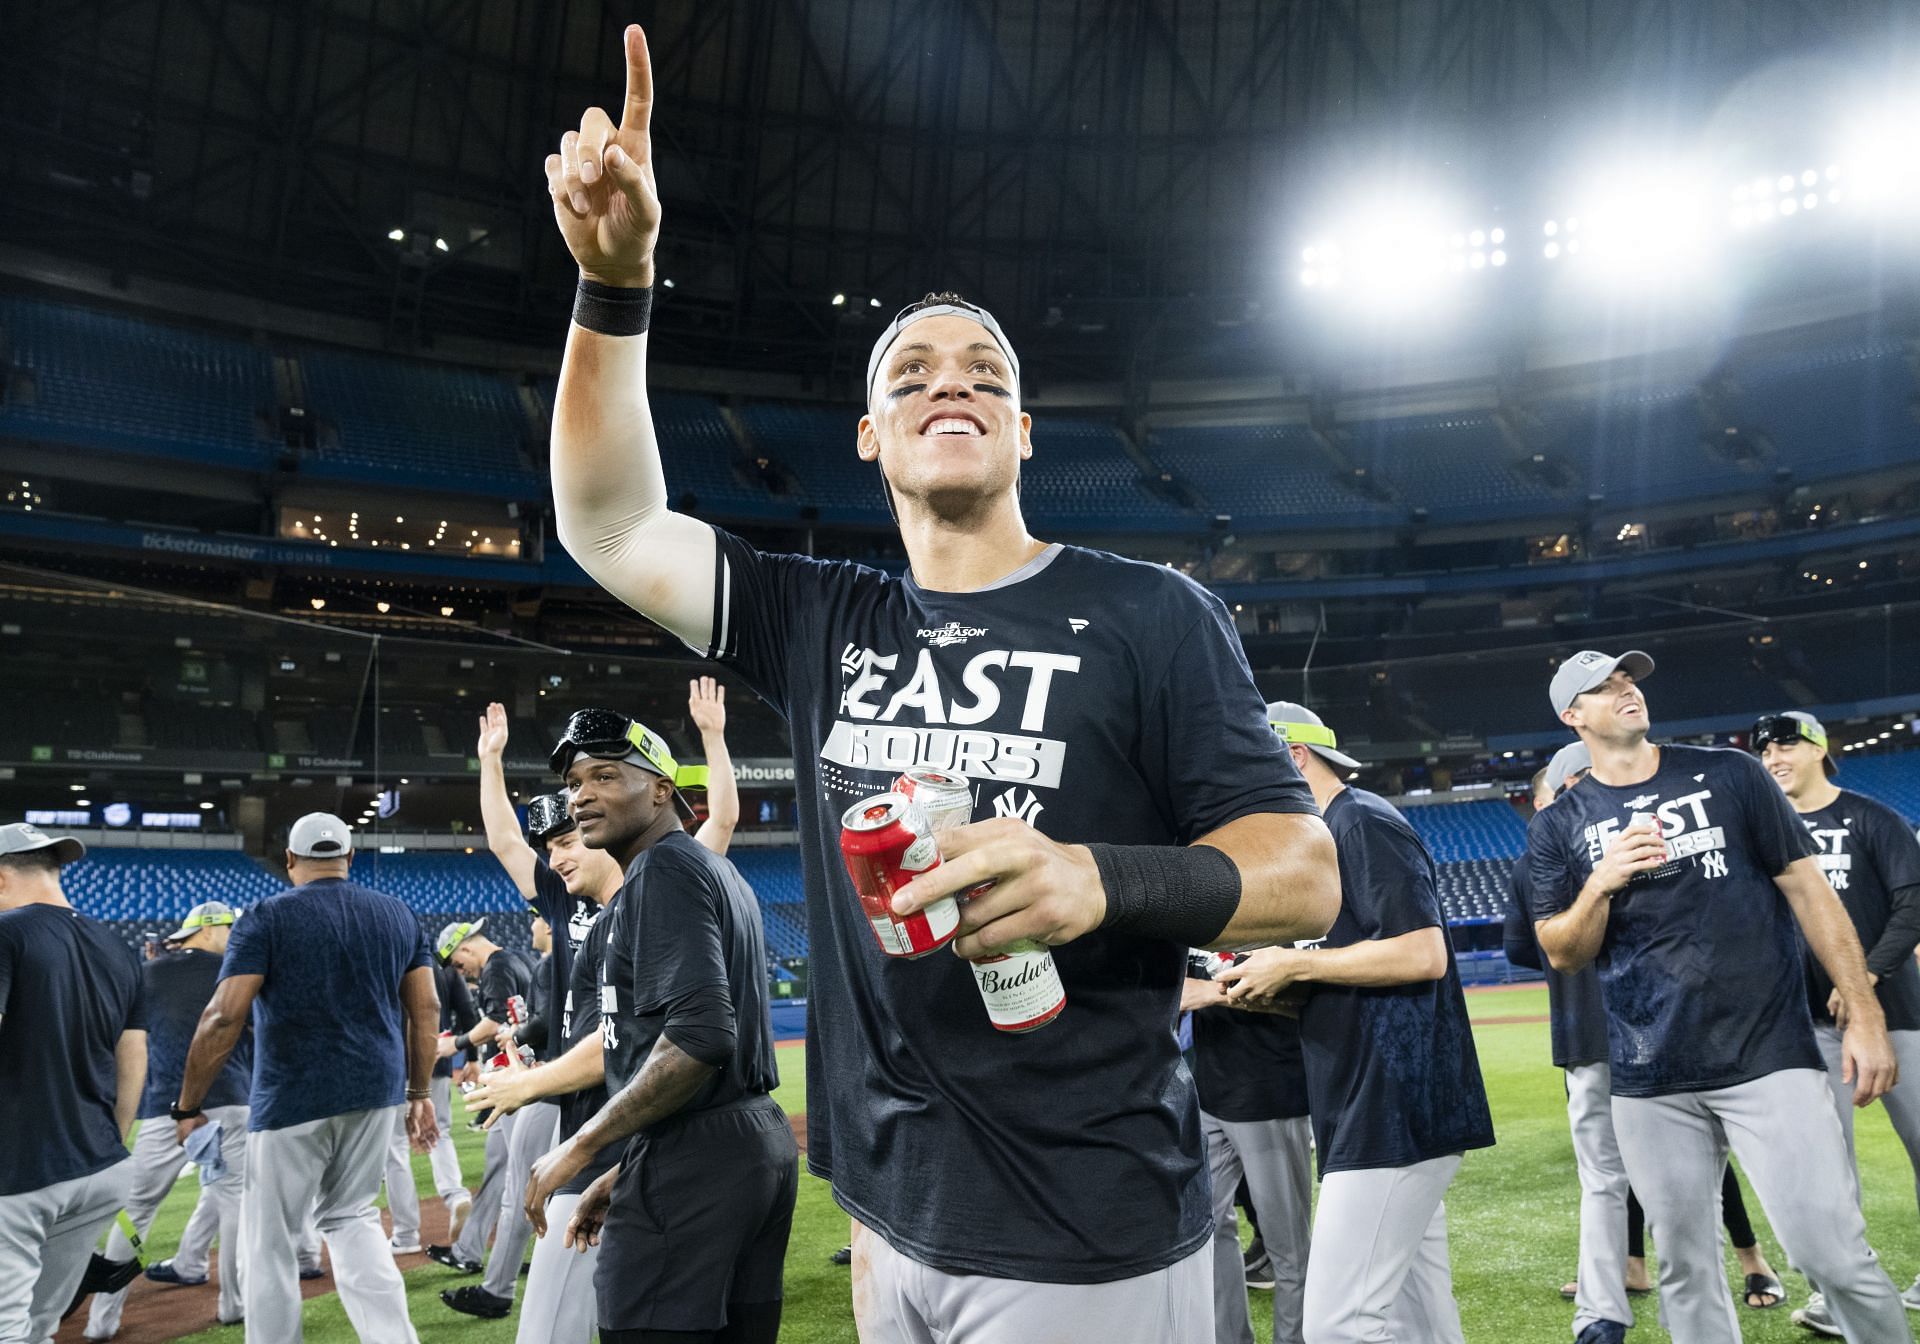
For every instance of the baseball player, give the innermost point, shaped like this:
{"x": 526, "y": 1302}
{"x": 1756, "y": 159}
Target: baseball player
{"x": 500, "y": 974}
{"x": 178, "y": 985}
{"x": 1392, "y": 1076}
{"x": 1253, "y": 1114}
{"x": 1106, "y": 713}
{"x": 1871, "y": 860}
{"x": 73, "y": 1054}
{"x": 457, "y": 1014}
{"x": 693, "y": 1221}
{"x": 320, "y": 1114}
{"x": 1683, "y": 872}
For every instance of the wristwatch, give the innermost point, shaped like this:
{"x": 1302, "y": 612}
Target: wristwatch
{"x": 178, "y": 1114}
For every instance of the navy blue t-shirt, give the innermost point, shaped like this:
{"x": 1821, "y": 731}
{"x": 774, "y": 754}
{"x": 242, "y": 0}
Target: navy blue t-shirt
{"x": 1575, "y": 1011}
{"x": 579, "y": 1021}
{"x": 1247, "y": 1066}
{"x": 68, "y": 988}
{"x": 1098, "y": 699}
{"x": 686, "y": 921}
{"x": 178, "y": 987}
{"x": 570, "y": 917}
{"x": 1701, "y": 958}
{"x": 1873, "y": 861}
{"x": 1391, "y": 1073}
{"x": 328, "y": 1033}
{"x": 457, "y": 1013}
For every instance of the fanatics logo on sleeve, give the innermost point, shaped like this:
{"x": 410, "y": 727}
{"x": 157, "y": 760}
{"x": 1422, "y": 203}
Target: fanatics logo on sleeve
{"x": 942, "y": 636}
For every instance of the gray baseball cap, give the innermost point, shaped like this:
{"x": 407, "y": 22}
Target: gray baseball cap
{"x": 1588, "y": 669}
{"x": 1570, "y": 760}
{"x": 1297, "y": 723}
{"x": 908, "y": 316}
{"x": 320, "y": 835}
{"x": 206, "y": 915}
{"x": 454, "y": 934}
{"x": 22, "y": 837}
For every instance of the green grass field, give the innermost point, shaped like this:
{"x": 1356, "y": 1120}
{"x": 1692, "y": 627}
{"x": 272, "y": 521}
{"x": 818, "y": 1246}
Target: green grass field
{"x": 1512, "y": 1214}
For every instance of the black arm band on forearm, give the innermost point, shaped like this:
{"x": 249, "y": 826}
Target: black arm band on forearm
{"x": 463, "y": 1044}
{"x": 612, "y": 310}
{"x": 1184, "y": 894}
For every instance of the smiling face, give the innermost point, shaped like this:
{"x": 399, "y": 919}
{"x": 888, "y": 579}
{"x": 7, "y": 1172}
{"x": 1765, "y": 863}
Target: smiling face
{"x": 1796, "y": 765}
{"x": 616, "y": 804}
{"x": 586, "y": 871}
{"x": 945, "y": 422}
{"x": 1614, "y": 711}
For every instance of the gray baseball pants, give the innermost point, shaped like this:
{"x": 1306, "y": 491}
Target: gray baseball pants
{"x": 535, "y": 1128}
{"x": 1602, "y": 1294}
{"x": 156, "y": 1164}
{"x": 486, "y": 1200}
{"x": 403, "y": 1196}
{"x": 332, "y": 1167}
{"x": 1378, "y": 1271}
{"x": 901, "y": 1301}
{"x": 1783, "y": 1130}
{"x": 1902, "y": 1104}
{"x": 1276, "y": 1157}
{"x": 560, "y": 1306}
{"x": 47, "y": 1237}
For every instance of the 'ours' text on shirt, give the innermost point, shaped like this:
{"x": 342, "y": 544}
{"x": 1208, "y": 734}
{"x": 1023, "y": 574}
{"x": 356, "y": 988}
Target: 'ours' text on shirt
{"x": 1685, "y": 825}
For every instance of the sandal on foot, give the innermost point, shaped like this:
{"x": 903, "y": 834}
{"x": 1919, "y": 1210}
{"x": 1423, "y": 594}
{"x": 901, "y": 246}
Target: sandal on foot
{"x": 1763, "y": 1285}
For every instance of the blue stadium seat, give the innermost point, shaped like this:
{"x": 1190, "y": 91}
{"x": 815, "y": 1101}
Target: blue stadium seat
{"x": 1449, "y": 463}
{"x": 1080, "y": 473}
{"x": 1893, "y": 778}
{"x": 130, "y": 385}
{"x": 160, "y": 885}
{"x": 774, "y": 875}
{"x": 442, "y": 883}
{"x": 816, "y": 443}
{"x": 1262, "y": 473}
{"x": 1486, "y": 829}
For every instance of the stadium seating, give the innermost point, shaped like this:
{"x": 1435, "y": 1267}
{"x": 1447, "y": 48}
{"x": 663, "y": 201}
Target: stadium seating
{"x": 816, "y": 443}
{"x": 701, "y": 461}
{"x": 130, "y": 385}
{"x": 429, "y": 424}
{"x": 1263, "y": 474}
{"x": 441, "y": 882}
{"x": 1080, "y": 472}
{"x": 1830, "y": 411}
{"x": 1448, "y": 464}
{"x": 1489, "y": 829}
{"x": 160, "y": 885}
{"x": 774, "y": 875}
{"x": 1475, "y": 890}
{"x": 1893, "y": 778}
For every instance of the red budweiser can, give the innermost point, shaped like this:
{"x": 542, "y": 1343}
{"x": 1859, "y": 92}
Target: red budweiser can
{"x": 886, "y": 842}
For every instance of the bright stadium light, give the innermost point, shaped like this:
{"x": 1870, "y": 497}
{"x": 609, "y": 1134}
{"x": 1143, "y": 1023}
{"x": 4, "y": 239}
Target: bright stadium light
{"x": 1648, "y": 223}
{"x": 1397, "y": 252}
{"x": 1879, "y": 161}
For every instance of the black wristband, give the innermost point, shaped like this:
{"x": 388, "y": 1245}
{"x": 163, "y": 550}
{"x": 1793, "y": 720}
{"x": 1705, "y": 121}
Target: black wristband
{"x": 612, "y": 310}
{"x": 463, "y": 1044}
{"x": 177, "y": 1113}
{"x": 1183, "y": 894}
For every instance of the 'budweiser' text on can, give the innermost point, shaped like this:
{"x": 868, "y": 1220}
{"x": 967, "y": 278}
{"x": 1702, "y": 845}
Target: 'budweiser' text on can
{"x": 1020, "y": 986}
{"x": 886, "y": 842}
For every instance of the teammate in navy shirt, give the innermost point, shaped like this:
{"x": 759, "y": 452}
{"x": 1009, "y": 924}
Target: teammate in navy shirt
{"x": 1872, "y": 860}
{"x": 693, "y": 1223}
{"x": 73, "y": 1057}
{"x": 1105, "y": 702}
{"x": 1683, "y": 872}
{"x": 1392, "y": 1078}
{"x": 337, "y": 979}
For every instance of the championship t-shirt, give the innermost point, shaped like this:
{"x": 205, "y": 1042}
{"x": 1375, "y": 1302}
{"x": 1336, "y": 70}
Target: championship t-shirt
{"x": 507, "y": 974}
{"x": 1097, "y": 699}
{"x": 328, "y": 1034}
{"x": 1391, "y": 1073}
{"x": 1247, "y": 1066}
{"x": 580, "y": 1021}
{"x": 1577, "y": 1017}
{"x": 1701, "y": 959}
{"x": 457, "y": 1013}
{"x": 1873, "y": 861}
{"x": 685, "y": 922}
{"x": 68, "y": 988}
{"x": 570, "y": 917}
{"x": 178, "y": 987}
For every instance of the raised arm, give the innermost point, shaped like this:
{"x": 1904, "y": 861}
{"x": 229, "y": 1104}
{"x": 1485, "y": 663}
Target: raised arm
{"x": 609, "y": 490}
{"x": 130, "y": 1078}
{"x": 707, "y": 704}
{"x": 496, "y": 809}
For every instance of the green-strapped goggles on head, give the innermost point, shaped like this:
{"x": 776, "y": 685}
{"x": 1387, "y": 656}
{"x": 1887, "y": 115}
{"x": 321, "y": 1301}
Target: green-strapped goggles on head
{"x": 1786, "y": 728}
{"x": 1306, "y": 734}
{"x": 609, "y": 736}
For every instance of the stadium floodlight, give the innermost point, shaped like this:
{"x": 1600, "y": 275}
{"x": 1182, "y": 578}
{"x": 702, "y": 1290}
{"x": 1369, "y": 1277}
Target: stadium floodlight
{"x": 1879, "y": 161}
{"x": 1650, "y": 223}
{"x": 318, "y": 603}
{"x": 1395, "y": 252}
{"x": 839, "y": 300}
{"x": 397, "y": 235}
{"x": 440, "y": 245}
{"x": 383, "y": 607}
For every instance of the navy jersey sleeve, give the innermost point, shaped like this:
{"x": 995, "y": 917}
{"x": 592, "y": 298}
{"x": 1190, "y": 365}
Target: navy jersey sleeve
{"x": 1517, "y": 936}
{"x": 137, "y": 1001}
{"x": 9, "y": 959}
{"x": 1779, "y": 836}
{"x": 250, "y": 943}
{"x": 550, "y": 899}
{"x": 498, "y": 983}
{"x": 422, "y": 954}
{"x": 1553, "y": 885}
{"x": 759, "y": 600}
{"x": 1205, "y": 738}
{"x": 675, "y": 943}
{"x": 1894, "y": 852}
{"x": 1387, "y": 878}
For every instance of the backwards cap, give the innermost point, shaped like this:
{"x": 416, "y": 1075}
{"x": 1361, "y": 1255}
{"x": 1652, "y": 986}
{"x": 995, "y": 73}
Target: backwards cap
{"x": 938, "y": 305}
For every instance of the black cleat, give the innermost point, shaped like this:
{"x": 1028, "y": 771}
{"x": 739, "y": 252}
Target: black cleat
{"x": 477, "y": 1301}
{"x": 443, "y": 1255}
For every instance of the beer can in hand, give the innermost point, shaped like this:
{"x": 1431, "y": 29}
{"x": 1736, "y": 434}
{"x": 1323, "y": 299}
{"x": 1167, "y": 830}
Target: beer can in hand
{"x": 886, "y": 841}
{"x": 1649, "y": 820}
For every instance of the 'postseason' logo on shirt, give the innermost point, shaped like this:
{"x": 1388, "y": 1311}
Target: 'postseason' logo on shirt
{"x": 1685, "y": 826}
{"x": 942, "y": 636}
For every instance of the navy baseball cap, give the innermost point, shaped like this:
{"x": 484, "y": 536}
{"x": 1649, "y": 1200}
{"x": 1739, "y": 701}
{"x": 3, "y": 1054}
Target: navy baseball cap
{"x": 1589, "y": 669}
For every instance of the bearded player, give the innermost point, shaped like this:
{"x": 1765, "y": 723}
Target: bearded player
{"x": 1107, "y": 703}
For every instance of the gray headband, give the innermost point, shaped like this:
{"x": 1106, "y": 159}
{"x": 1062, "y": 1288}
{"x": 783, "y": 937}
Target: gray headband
{"x": 909, "y": 316}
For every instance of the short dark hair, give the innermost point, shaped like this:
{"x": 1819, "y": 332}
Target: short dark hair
{"x": 945, "y": 296}
{"x": 46, "y": 859}
{"x": 1539, "y": 778}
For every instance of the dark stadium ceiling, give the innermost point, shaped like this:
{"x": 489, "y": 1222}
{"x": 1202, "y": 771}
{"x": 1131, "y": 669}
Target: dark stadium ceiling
{"x": 1119, "y": 177}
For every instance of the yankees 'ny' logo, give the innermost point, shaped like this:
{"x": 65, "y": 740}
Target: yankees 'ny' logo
{"x": 1715, "y": 863}
{"x": 1027, "y": 809}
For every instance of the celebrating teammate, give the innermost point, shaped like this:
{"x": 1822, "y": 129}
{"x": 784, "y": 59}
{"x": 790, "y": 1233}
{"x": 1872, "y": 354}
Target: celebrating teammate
{"x": 1104, "y": 710}
{"x": 321, "y": 1115}
{"x": 1392, "y": 1076}
{"x": 73, "y": 1054}
{"x": 1683, "y": 872}
{"x": 1873, "y": 863}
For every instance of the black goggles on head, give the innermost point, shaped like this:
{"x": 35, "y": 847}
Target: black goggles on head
{"x": 610, "y": 736}
{"x": 1784, "y": 728}
{"x": 548, "y": 817}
